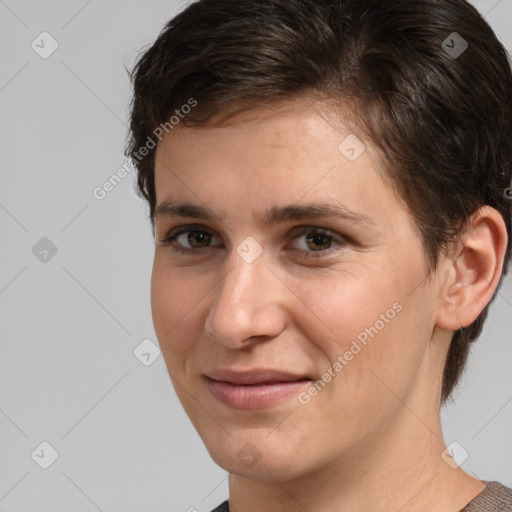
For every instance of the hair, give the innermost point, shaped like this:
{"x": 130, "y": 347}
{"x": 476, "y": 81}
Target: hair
{"x": 441, "y": 121}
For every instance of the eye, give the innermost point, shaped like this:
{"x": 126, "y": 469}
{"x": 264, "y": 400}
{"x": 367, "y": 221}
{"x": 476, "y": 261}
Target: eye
{"x": 188, "y": 239}
{"x": 309, "y": 241}
{"x": 317, "y": 242}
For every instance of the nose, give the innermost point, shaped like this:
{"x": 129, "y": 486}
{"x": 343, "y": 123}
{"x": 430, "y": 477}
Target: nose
{"x": 248, "y": 304}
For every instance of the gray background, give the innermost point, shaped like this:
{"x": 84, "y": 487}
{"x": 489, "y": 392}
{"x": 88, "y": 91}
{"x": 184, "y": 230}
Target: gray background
{"x": 69, "y": 325}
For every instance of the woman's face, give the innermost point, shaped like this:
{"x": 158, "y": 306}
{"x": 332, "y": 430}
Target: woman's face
{"x": 272, "y": 280}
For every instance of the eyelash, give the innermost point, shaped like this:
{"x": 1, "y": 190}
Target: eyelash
{"x": 173, "y": 234}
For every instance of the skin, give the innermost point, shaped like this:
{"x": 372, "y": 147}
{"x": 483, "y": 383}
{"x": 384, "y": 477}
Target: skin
{"x": 372, "y": 438}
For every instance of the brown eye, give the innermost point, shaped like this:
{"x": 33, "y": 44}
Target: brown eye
{"x": 314, "y": 242}
{"x": 318, "y": 241}
{"x": 197, "y": 239}
{"x": 189, "y": 239}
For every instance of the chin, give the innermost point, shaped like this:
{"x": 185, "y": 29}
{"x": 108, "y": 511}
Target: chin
{"x": 254, "y": 455}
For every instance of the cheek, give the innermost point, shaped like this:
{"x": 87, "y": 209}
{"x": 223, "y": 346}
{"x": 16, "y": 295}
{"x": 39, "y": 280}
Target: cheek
{"x": 175, "y": 296}
{"x": 347, "y": 305}
{"x": 162, "y": 302}
{"x": 370, "y": 320}
{"x": 359, "y": 388}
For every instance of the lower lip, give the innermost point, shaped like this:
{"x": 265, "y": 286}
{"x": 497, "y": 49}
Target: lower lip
{"x": 255, "y": 396}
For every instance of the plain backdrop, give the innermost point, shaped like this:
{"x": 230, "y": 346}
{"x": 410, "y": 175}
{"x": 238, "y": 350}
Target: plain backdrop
{"x": 76, "y": 383}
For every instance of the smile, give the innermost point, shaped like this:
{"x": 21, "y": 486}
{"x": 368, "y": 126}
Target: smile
{"x": 254, "y": 390}
{"x": 253, "y": 396}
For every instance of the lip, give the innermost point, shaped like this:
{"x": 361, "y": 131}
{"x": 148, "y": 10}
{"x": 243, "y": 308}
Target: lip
{"x": 254, "y": 389}
{"x": 254, "y": 376}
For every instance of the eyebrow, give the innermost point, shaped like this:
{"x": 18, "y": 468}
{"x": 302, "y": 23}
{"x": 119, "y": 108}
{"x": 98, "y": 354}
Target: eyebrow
{"x": 271, "y": 217}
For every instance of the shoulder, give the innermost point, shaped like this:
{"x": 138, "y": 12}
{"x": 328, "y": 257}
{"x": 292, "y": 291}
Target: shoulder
{"x": 223, "y": 507}
{"x": 494, "y": 498}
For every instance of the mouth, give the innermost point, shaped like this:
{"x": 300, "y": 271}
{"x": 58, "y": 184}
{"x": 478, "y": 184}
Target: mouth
{"x": 255, "y": 389}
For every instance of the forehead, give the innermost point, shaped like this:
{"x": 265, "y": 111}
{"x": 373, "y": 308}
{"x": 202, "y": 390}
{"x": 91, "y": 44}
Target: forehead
{"x": 281, "y": 135}
{"x": 294, "y": 152}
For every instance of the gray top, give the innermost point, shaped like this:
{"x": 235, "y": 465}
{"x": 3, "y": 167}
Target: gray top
{"x": 494, "y": 498}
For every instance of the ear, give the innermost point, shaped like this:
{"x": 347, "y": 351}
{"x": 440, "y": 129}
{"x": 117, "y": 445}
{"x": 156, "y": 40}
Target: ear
{"x": 473, "y": 270}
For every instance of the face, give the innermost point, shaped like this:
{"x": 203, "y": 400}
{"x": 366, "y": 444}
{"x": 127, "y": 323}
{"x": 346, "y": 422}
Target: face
{"x": 289, "y": 291}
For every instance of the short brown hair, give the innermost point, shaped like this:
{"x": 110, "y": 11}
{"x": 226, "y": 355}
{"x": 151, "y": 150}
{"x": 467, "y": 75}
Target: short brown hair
{"x": 441, "y": 119}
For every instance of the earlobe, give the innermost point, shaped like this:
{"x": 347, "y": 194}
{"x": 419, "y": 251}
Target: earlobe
{"x": 474, "y": 270}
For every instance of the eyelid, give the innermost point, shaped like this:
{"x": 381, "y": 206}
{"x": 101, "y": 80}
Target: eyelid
{"x": 339, "y": 240}
{"x": 171, "y": 234}
{"x": 294, "y": 232}
{"x": 185, "y": 228}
